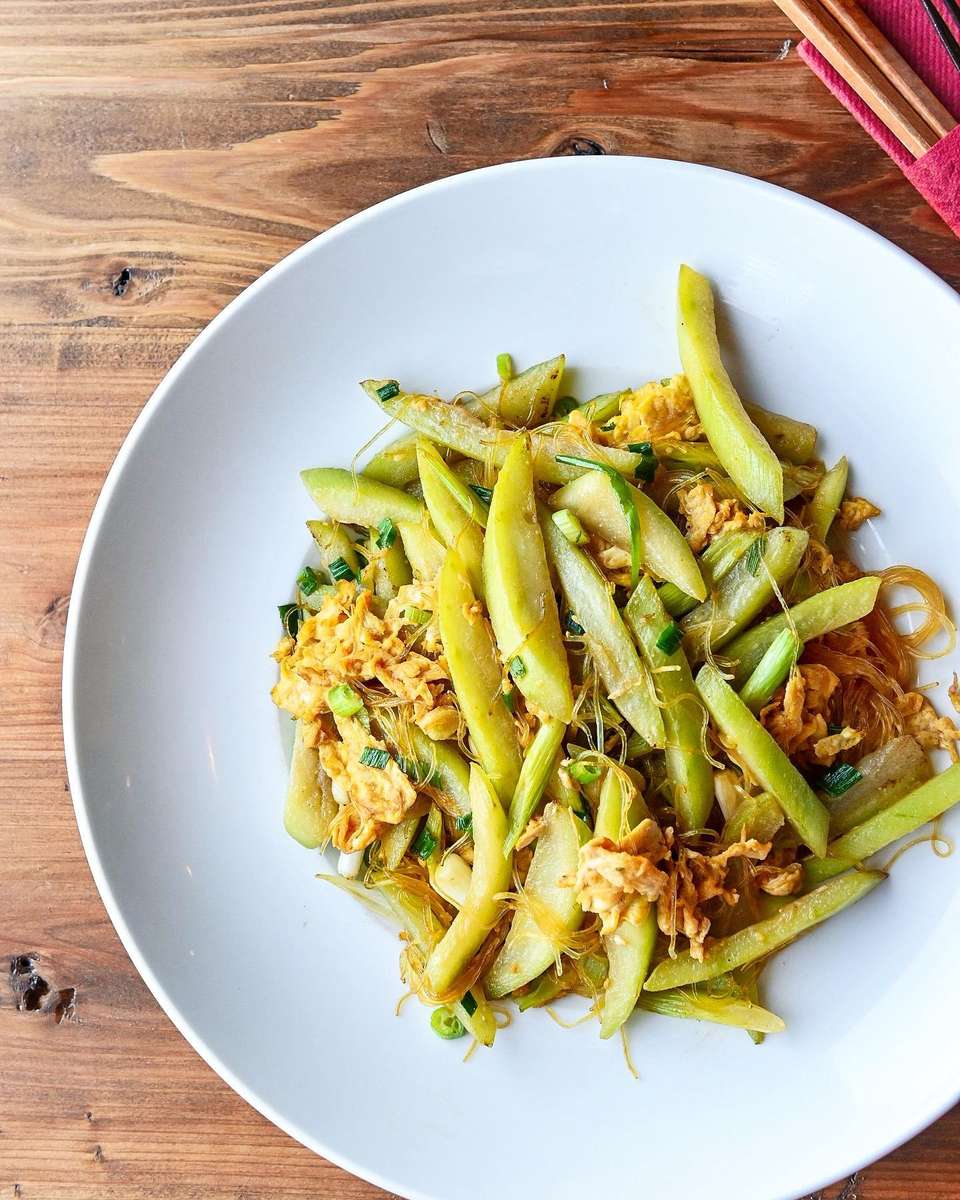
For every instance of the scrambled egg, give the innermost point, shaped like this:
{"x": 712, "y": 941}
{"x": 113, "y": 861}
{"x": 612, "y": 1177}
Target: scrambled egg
{"x": 346, "y": 642}
{"x": 613, "y": 561}
{"x": 826, "y": 749}
{"x": 696, "y": 880}
{"x": 921, "y": 721}
{"x": 854, "y": 512}
{"x": 706, "y": 516}
{"x": 376, "y": 796}
{"x": 617, "y": 882}
{"x": 779, "y": 881}
{"x": 798, "y": 716}
{"x": 658, "y": 410}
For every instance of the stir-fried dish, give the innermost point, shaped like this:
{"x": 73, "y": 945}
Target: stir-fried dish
{"x": 590, "y": 697}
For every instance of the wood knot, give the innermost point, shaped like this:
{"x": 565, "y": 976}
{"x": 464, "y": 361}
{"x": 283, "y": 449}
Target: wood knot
{"x": 122, "y": 281}
{"x": 27, "y": 984}
{"x": 31, "y": 990}
{"x": 53, "y": 621}
{"x": 578, "y": 145}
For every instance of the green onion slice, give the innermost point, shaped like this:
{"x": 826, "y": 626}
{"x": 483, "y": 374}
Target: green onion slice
{"x": 469, "y": 1003}
{"x": 464, "y": 823}
{"x": 584, "y": 772}
{"x": 344, "y": 701}
{"x": 569, "y": 525}
{"x": 417, "y": 616}
{"x": 505, "y": 367}
{"x": 669, "y": 638}
{"x": 386, "y": 534}
{"x": 424, "y": 844}
{"x": 371, "y": 756}
{"x": 572, "y": 625}
{"x": 518, "y": 668}
{"x": 840, "y": 778}
{"x": 755, "y": 554}
{"x": 485, "y": 494}
{"x": 340, "y": 569}
{"x": 390, "y": 389}
{"x": 290, "y": 616}
{"x": 307, "y": 581}
{"x": 446, "y": 1024}
{"x": 622, "y": 491}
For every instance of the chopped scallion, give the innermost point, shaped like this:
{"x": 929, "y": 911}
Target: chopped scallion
{"x": 345, "y": 702}
{"x": 464, "y": 823}
{"x": 569, "y": 525}
{"x": 290, "y": 616}
{"x": 509, "y": 699}
{"x": 307, "y": 581}
{"x": 518, "y": 668}
{"x": 666, "y": 382}
{"x": 572, "y": 625}
{"x": 485, "y": 494}
{"x": 446, "y": 1024}
{"x": 386, "y": 534}
{"x": 505, "y": 367}
{"x": 424, "y": 844}
{"x": 390, "y": 389}
{"x": 410, "y": 767}
{"x": 669, "y": 638}
{"x": 371, "y": 756}
{"x": 468, "y": 1003}
{"x": 340, "y": 569}
{"x": 640, "y": 447}
{"x": 755, "y": 554}
{"x": 839, "y": 779}
{"x": 417, "y": 616}
{"x": 584, "y": 772}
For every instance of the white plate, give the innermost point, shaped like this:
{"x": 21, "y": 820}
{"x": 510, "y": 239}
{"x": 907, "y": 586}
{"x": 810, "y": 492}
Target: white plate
{"x": 286, "y": 986}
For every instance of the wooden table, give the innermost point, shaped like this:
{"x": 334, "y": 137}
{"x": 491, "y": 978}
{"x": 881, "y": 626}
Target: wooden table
{"x": 155, "y": 157}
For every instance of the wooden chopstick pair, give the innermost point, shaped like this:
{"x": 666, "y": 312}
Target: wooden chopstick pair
{"x": 884, "y": 81}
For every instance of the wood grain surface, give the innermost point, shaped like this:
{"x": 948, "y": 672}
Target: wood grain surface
{"x": 155, "y": 158}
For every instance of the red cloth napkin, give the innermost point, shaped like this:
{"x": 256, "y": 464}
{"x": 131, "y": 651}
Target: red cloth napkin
{"x": 936, "y": 175}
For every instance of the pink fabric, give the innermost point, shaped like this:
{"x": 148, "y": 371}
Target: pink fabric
{"x": 936, "y": 175}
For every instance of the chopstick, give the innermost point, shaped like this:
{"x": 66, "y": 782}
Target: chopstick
{"x": 943, "y": 30}
{"x": 889, "y": 98}
{"x": 883, "y": 56}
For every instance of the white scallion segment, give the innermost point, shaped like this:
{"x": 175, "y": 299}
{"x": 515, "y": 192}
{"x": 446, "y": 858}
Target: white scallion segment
{"x": 569, "y": 525}
{"x": 349, "y": 863}
{"x": 452, "y": 879}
